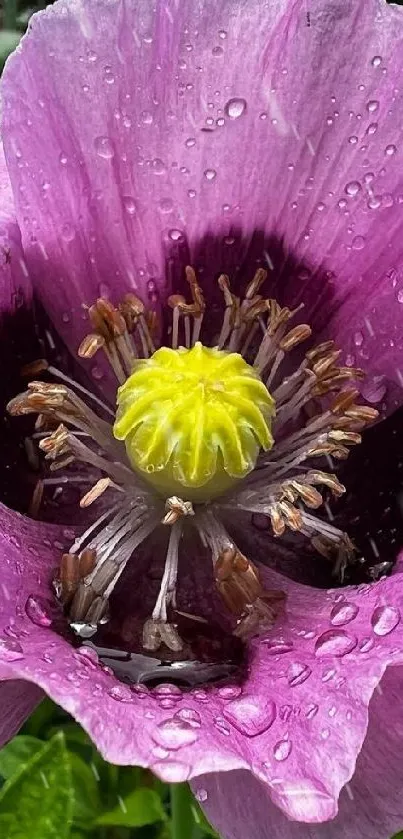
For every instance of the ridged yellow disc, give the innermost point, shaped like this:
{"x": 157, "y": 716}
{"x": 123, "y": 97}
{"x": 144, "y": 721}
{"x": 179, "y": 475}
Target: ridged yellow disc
{"x": 194, "y": 420}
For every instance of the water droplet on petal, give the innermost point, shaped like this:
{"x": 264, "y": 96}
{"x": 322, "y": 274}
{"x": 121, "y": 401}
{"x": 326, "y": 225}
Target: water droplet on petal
{"x": 159, "y": 167}
{"x": 68, "y": 233}
{"x": 230, "y": 692}
{"x": 129, "y": 204}
{"x": 390, "y": 150}
{"x": 335, "y": 642}
{"x": 171, "y": 771}
{"x": 210, "y": 174}
{"x": 235, "y": 107}
{"x": 251, "y": 715}
{"x": 282, "y": 749}
{"x": 374, "y": 389}
{"x": 372, "y": 106}
{"x": 301, "y": 798}
{"x": 385, "y": 619}
{"x": 166, "y": 205}
{"x": 343, "y": 613}
{"x": 374, "y": 202}
{"x": 298, "y": 674}
{"x": 121, "y": 693}
{"x": 190, "y": 142}
{"x": 278, "y": 646}
{"x": 201, "y": 795}
{"x": 311, "y": 711}
{"x": 358, "y": 243}
{"x": 353, "y": 139}
{"x": 146, "y": 117}
{"x": 104, "y": 148}
{"x": 10, "y": 650}
{"x": 190, "y": 716}
{"x": 376, "y": 60}
{"x": 175, "y": 235}
{"x": 36, "y": 611}
{"x": 366, "y": 645}
{"x": 175, "y": 733}
{"x": 352, "y": 188}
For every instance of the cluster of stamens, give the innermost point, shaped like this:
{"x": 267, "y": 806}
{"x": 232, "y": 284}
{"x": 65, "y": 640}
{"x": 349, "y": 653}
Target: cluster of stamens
{"x": 316, "y": 416}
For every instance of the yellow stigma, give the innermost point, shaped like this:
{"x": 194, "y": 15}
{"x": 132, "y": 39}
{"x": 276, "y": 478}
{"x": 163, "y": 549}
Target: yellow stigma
{"x": 193, "y": 420}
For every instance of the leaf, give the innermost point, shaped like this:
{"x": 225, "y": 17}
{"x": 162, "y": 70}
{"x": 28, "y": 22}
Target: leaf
{"x": 37, "y": 801}
{"x": 17, "y": 753}
{"x": 9, "y": 39}
{"x": 87, "y": 800}
{"x": 201, "y": 821}
{"x": 140, "y": 807}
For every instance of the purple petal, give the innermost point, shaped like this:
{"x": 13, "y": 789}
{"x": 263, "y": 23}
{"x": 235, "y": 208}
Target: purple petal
{"x": 370, "y": 806}
{"x": 15, "y": 286}
{"x": 297, "y": 722}
{"x": 17, "y": 701}
{"x": 215, "y": 136}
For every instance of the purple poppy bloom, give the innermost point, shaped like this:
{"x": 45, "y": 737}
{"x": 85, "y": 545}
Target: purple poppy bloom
{"x": 240, "y": 139}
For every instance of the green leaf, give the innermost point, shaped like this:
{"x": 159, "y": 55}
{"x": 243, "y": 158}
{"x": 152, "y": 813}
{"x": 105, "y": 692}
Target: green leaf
{"x": 17, "y": 753}
{"x": 9, "y": 38}
{"x": 140, "y": 807}
{"x": 87, "y": 801}
{"x": 202, "y": 822}
{"x": 37, "y": 801}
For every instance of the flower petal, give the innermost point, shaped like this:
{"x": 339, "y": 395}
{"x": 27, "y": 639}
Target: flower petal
{"x": 298, "y": 722}
{"x": 17, "y": 701}
{"x": 181, "y": 157}
{"x": 370, "y": 806}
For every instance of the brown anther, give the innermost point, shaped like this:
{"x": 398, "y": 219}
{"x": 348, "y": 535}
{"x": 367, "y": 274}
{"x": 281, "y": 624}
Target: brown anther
{"x": 344, "y": 401}
{"x": 348, "y": 437}
{"x": 90, "y": 345}
{"x": 278, "y": 316}
{"x": 257, "y": 307}
{"x": 61, "y": 464}
{"x": 277, "y": 520}
{"x": 224, "y": 285}
{"x": 56, "y": 443}
{"x": 253, "y": 287}
{"x": 237, "y": 580}
{"x": 87, "y": 562}
{"x": 362, "y": 413}
{"x": 106, "y": 320}
{"x": 309, "y": 495}
{"x": 319, "y": 351}
{"x": 131, "y": 308}
{"x": 327, "y": 479}
{"x": 196, "y": 292}
{"x": 176, "y": 508}
{"x": 325, "y": 364}
{"x": 292, "y": 516}
{"x": 156, "y": 633}
{"x": 36, "y": 500}
{"x": 95, "y": 492}
{"x": 176, "y": 301}
{"x": 18, "y": 406}
{"x": 69, "y": 576}
{"x": 295, "y": 336}
{"x": 261, "y": 615}
{"x": 35, "y": 367}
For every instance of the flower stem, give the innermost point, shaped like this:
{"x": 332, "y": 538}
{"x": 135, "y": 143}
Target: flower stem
{"x": 181, "y": 811}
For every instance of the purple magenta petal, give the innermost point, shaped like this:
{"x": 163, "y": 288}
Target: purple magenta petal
{"x": 18, "y": 699}
{"x": 141, "y": 134}
{"x": 15, "y": 286}
{"x": 298, "y": 722}
{"x": 370, "y": 806}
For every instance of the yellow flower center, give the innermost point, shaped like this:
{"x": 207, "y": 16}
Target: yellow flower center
{"x": 194, "y": 420}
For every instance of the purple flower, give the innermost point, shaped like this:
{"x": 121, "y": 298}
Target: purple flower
{"x": 140, "y": 139}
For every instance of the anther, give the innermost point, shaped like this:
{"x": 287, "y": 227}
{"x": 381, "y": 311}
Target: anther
{"x": 176, "y": 508}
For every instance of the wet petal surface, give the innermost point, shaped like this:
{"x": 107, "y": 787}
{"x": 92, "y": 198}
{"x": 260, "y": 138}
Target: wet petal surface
{"x": 180, "y": 159}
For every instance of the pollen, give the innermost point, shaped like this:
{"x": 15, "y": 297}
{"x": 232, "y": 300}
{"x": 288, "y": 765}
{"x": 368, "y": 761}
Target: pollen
{"x": 194, "y": 420}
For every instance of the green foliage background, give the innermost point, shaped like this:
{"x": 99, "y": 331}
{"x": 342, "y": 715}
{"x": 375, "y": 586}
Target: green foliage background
{"x": 53, "y": 782}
